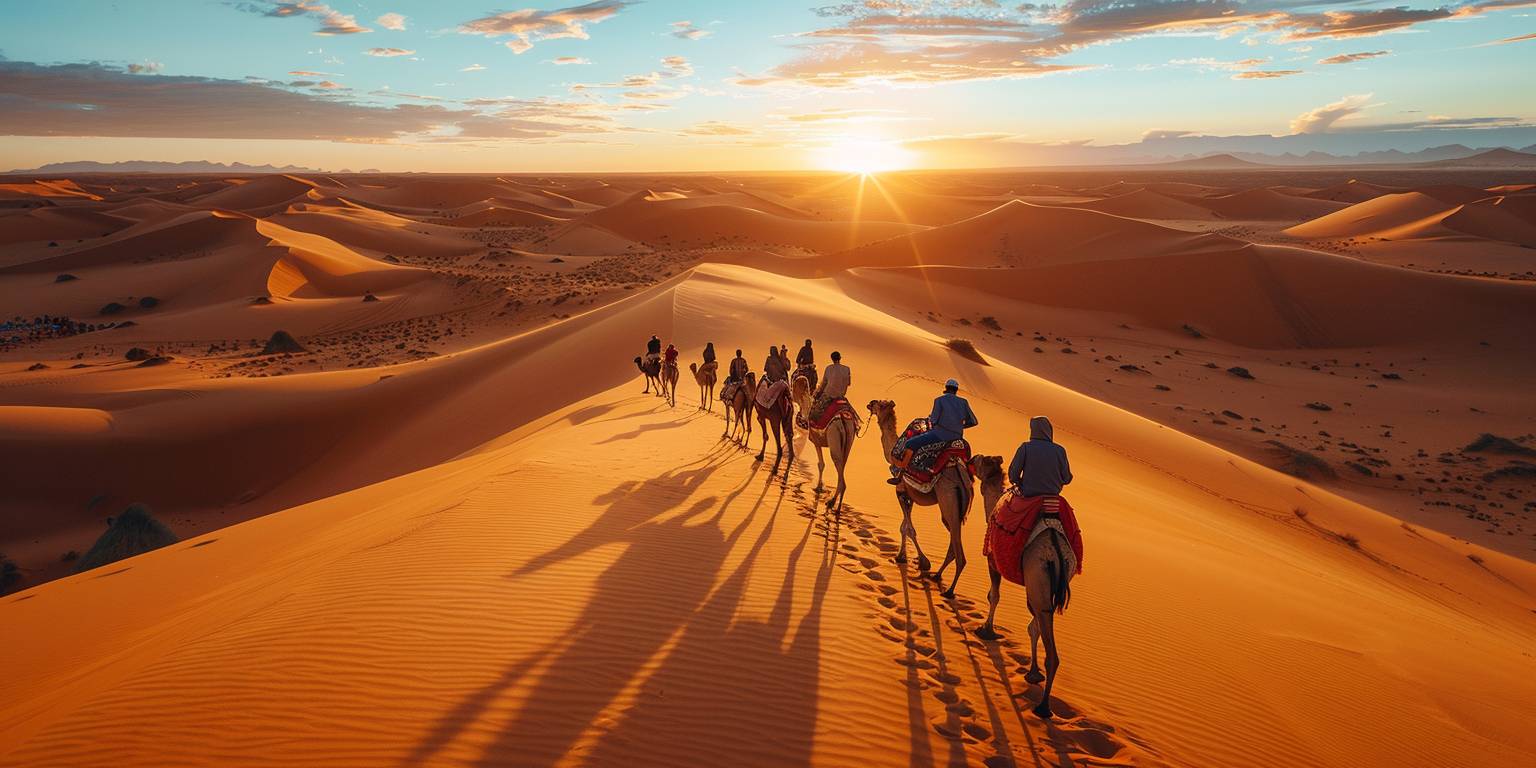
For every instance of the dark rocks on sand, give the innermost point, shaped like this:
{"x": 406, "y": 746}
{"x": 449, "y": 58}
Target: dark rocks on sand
{"x": 1240, "y": 372}
{"x": 136, "y": 354}
{"x": 112, "y": 308}
{"x": 134, "y": 532}
{"x": 281, "y": 342}
{"x": 148, "y": 302}
{"x": 64, "y": 278}
{"x": 370, "y": 297}
{"x": 1320, "y": 406}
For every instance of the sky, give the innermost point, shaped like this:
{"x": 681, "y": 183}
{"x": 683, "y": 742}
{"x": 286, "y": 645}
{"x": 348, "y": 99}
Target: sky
{"x": 679, "y": 85}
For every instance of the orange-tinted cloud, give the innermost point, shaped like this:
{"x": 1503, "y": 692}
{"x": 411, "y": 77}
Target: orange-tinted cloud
{"x": 1349, "y": 58}
{"x": 332, "y": 22}
{"x": 528, "y": 26}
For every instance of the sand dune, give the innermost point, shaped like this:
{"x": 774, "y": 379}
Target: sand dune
{"x": 1267, "y": 204}
{"x": 333, "y": 599}
{"x": 259, "y": 196}
{"x": 1019, "y": 233}
{"x": 1257, "y": 296}
{"x": 449, "y": 530}
{"x": 1145, "y": 204}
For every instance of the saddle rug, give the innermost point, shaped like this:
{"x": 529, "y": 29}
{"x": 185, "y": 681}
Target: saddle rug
{"x": 728, "y": 392}
{"x": 1018, "y": 520}
{"x": 768, "y": 393}
{"x": 836, "y": 408}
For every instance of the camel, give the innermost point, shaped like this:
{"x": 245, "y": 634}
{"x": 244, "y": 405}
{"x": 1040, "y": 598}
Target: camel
{"x": 652, "y": 374}
{"x": 1047, "y": 580}
{"x": 706, "y": 378}
{"x": 669, "y": 383}
{"x": 781, "y": 419}
{"x": 737, "y": 425}
{"x": 952, "y": 493}
{"x": 836, "y": 439}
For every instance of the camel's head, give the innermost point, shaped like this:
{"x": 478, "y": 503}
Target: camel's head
{"x": 693, "y": 367}
{"x": 883, "y": 410}
{"x": 988, "y": 468}
{"x": 637, "y": 360}
{"x": 800, "y": 388}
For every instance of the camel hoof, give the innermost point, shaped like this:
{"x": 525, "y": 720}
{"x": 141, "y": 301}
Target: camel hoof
{"x": 923, "y": 564}
{"x": 1043, "y": 710}
{"x": 1033, "y": 677}
{"x": 948, "y": 594}
{"x": 900, "y": 559}
{"x": 987, "y": 633}
{"x": 759, "y": 457}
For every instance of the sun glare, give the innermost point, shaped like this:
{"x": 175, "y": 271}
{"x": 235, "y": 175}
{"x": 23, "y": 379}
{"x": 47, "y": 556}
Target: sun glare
{"x": 864, "y": 156}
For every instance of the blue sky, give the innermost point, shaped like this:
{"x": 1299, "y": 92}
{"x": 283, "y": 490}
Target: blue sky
{"x": 743, "y": 84}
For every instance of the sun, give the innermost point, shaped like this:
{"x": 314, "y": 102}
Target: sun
{"x": 864, "y": 156}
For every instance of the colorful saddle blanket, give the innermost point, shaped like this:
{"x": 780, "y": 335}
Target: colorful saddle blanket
{"x": 769, "y": 392}
{"x": 728, "y": 392}
{"x": 1018, "y": 520}
{"x": 836, "y": 408}
{"x": 928, "y": 460}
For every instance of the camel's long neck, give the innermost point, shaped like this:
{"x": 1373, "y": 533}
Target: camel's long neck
{"x": 888, "y": 432}
{"x": 991, "y": 491}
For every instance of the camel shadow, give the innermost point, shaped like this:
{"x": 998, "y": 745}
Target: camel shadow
{"x": 644, "y": 429}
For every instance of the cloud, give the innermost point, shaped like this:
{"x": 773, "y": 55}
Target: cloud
{"x": 146, "y": 68}
{"x": 392, "y": 21}
{"x": 676, "y": 66}
{"x": 473, "y": 68}
{"x": 567, "y": 60}
{"x": 1515, "y": 39}
{"x": 388, "y": 52}
{"x": 716, "y": 128}
{"x": 528, "y": 26}
{"x": 310, "y": 73}
{"x": 925, "y": 42}
{"x": 687, "y": 31}
{"x": 328, "y": 85}
{"x": 1322, "y": 119}
{"x": 1164, "y": 134}
{"x": 97, "y": 100}
{"x": 332, "y": 22}
{"x": 1349, "y": 58}
{"x": 541, "y": 119}
{"x": 1265, "y": 74}
{"x": 843, "y": 116}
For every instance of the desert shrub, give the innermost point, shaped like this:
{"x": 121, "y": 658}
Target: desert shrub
{"x": 967, "y": 350}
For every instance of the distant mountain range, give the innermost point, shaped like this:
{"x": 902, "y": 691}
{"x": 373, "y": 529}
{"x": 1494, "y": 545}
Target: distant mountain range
{"x": 156, "y": 166}
{"x": 1450, "y": 155}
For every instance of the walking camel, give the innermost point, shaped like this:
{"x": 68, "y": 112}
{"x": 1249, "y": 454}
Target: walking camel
{"x": 737, "y": 426}
{"x": 706, "y": 379}
{"x": 652, "y": 374}
{"x": 669, "y": 382}
{"x": 780, "y": 417}
{"x": 952, "y": 493}
{"x": 836, "y": 439}
{"x": 1047, "y": 579}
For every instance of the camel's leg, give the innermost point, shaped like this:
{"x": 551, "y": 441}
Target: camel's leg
{"x": 1033, "y": 675}
{"x": 957, "y": 549}
{"x": 762, "y": 425}
{"x": 994, "y": 594}
{"x": 1047, "y": 621}
{"x": 778, "y": 448}
{"x": 906, "y": 526}
{"x": 820, "y": 468}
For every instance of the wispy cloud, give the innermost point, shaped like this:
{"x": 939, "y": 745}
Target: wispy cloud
{"x": 96, "y": 100}
{"x": 568, "y": 60}
{"x": 146, "y": 68}
{"x": 1515, "y": 39}
{"x": 473, "y": 68}
{"x": 392, "y": 21}
{"x": 332, "y": 22}
{"x": 1265, "y": 74}
{"x": 687, "y": 31}
{"x": 717, "y": 128}
{"x": 1349, "y": 58}
{"x": 1322, "y": 119}
{"x": 388, "y": 52}
{"x": 528, "y": 26}
{"x": 676, "y": 66}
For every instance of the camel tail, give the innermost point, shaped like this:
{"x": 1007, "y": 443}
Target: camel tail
{"x": 1056, "y": 570}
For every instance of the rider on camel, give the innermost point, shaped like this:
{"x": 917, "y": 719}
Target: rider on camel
{"x": 671, "y": 356}
{"x": 775, "y": 368}
{"x": 1040, "y": 466}
{"x": 950, "y": 418}
{"x": 738, "y": 371}
{"x": 653, "y": 349}
{"x": 805, "y": 363}
{"x": 834, "y": 384}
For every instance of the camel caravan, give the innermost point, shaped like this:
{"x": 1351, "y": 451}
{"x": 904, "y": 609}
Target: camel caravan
{"x": 1032, "y": 538}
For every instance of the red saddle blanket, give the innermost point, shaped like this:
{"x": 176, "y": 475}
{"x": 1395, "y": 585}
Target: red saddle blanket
{"x": 924, "y": 470}
{"x": 839, "y": 408}
{"x": 1011, "y": 523}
